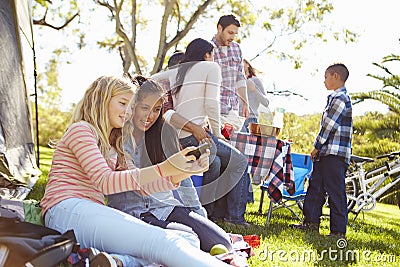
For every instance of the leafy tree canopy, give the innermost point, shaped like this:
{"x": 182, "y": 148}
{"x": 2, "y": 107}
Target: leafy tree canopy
{"x": 296, "y": 21}
{"x": 389, "y": 94}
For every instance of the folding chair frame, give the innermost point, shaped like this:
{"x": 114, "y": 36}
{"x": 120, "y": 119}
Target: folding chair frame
{"x": 275, "y": 206}
{"x": 300, "y": 161}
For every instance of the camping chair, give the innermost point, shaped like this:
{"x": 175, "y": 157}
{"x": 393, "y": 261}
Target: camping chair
{"x": 302, "y": 167}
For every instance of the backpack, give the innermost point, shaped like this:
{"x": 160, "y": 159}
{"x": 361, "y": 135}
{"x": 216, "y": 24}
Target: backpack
{"x": 28, "y": 244}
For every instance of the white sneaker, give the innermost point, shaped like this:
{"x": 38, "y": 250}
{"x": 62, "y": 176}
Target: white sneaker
{"x": 103, "y": 260}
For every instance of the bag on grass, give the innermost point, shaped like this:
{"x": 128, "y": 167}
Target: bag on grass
{"x": 28, "y": 244}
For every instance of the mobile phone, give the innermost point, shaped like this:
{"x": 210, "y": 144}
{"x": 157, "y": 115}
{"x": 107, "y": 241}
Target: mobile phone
{"x": 201, "y": 149}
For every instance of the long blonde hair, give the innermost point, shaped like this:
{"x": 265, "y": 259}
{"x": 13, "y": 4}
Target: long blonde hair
{"x": 93, "y": 109}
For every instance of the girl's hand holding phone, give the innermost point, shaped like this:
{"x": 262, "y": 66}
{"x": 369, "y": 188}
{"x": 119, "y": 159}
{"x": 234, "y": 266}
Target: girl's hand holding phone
{"x": 181, "y": 162}
{"x": 202, "y": 163}
{"x": 196, "y": 166}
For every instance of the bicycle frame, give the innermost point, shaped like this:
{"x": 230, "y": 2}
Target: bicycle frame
{"x": 371, "y": 188}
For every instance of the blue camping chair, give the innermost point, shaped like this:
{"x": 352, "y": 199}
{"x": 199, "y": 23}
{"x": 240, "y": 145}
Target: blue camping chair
{"x": 302, "y": 168}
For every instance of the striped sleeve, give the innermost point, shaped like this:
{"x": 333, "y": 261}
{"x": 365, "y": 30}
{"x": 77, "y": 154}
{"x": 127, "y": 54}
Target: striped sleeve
{"x": 81, "y": 140}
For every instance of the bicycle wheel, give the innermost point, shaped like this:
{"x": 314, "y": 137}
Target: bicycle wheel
{"x": 351, "y": 192}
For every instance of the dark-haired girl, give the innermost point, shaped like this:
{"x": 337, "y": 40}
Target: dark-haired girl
{"x": 196, "y": 97}
{"x": 154, "y": 142}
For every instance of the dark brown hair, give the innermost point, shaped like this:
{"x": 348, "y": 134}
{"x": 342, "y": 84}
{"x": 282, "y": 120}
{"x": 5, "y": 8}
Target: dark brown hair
{"x": 195, "y": 52}
{"x": 340, "y": 69}
{"x": 175, "y": 59}
{"x": 252, "y": 71}
{"x": 227, "y": 20}
{"x": 161, "y": 140}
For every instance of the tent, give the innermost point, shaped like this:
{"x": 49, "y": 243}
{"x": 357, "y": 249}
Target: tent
{"x": 18, "y": 168}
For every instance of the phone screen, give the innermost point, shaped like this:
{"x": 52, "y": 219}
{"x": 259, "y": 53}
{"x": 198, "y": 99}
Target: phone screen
{"x": 199, "y": 150}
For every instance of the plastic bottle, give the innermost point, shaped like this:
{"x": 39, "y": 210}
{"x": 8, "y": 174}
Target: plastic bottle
{"x": 265, "y": 117}
{"x": 278, "y": 118}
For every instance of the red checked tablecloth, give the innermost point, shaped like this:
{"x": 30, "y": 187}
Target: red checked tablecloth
{"x": 281, "y": 175}
{"x": 268, "y": 157}
{"x": 260, "y": 151}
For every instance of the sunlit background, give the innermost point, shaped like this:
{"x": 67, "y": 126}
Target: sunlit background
{"x": 375, "y": 22}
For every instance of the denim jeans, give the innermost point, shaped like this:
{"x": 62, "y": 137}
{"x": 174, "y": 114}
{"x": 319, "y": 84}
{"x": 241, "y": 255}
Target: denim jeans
{"x": 328, "y": 176}
{"x": 181, "y": 217}
{"x": 225, "y": 184}
{"x": 107, "y": 229}
{"x": 256, "y": 179}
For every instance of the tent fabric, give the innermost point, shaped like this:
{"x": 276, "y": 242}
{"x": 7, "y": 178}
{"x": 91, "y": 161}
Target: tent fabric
{"x": 17, "y": 155}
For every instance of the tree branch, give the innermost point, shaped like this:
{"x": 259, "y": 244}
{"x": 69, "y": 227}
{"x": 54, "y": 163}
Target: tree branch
{"x": 107, "y": 5}
{"x": 43, "y": 22}
{"x": 285, "y": 93}
{"x": 162, "y": 47}
{"x": 179, "y": 35}
{"x": 127, "y": 53}
{"x": 130, "y": 47}
{"x": 200, "y": 10}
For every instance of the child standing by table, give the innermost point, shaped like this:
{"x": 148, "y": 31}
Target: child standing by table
{"x": 331, "y": 157}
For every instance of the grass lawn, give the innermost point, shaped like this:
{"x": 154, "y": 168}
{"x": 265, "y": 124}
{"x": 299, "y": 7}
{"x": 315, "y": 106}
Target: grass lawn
{"x": 372, "y": 239}
{"x": 46, "y": 155}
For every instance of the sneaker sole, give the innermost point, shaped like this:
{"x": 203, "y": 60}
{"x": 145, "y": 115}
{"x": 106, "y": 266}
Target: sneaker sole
{"x": 103, "y": 260}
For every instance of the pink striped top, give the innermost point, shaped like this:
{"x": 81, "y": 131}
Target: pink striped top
{"x": 79, "y": 170}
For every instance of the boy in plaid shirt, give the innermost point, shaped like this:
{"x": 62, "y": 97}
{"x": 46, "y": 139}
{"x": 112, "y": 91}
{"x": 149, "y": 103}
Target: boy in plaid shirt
{"x": 331, "y": 157}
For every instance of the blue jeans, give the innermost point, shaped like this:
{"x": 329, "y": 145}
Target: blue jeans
{"x": 225, "y": 184}
{"x": 107, "y": 229}
{"x": 256, "y": 179}
{"x": 208, "y": 232}
{"x": 328, "y": 176}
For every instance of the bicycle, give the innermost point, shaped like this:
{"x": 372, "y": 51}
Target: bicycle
{"x": 364, "y": 188}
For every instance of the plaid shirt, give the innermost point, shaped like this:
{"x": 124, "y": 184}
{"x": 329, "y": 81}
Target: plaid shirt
{"x": 335, "y": 134}
{"x": 232, "y": 74}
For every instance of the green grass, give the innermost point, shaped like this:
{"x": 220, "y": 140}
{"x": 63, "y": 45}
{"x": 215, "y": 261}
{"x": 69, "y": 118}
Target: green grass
{"x": 46, "y": 155}
{"x": 372, "y": 239}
